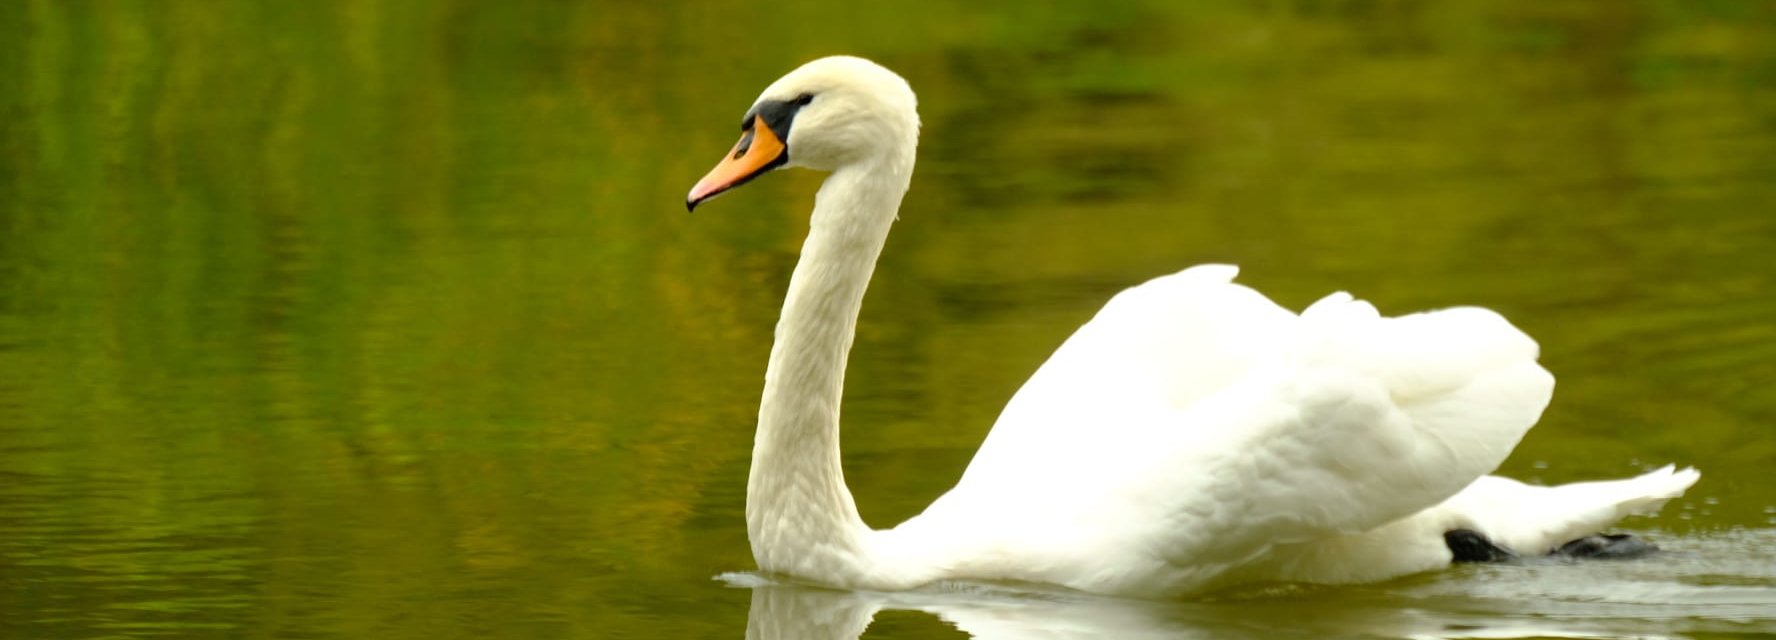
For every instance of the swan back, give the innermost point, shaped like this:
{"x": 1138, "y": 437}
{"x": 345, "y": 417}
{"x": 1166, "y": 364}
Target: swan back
{"x": 1193, "y": 426}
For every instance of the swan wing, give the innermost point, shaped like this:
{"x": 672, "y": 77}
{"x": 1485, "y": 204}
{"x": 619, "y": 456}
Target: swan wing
{"x": 1165, "y": 344}
{"x": 1193, "y": 422}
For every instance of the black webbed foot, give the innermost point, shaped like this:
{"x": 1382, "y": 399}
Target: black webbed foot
{"x": 1605, "y": 547}
{"x": 1469, "y": 546}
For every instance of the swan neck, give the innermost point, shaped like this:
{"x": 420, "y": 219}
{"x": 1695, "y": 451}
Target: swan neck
{"x": 801, "y": 518}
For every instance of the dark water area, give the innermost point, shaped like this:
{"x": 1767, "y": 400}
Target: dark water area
{"x": 385, "y": 319}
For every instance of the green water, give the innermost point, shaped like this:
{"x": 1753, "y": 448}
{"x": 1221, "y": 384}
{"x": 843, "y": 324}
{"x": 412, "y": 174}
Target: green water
{"x": 384, "y": 319}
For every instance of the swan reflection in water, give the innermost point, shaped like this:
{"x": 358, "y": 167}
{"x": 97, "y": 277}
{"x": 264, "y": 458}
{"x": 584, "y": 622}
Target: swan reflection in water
{"x": 1656, "y": 597}
{"x": 785, "y": 612}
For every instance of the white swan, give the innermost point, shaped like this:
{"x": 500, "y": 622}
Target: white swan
{"x": 1193, "y": 435}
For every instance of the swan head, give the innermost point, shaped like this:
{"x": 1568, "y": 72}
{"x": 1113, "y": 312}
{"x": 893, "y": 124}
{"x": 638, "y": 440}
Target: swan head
{"x": 826, "y": 115}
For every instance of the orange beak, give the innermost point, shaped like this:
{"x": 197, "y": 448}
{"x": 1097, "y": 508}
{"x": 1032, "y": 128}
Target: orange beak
{"x": 760, "y": 149}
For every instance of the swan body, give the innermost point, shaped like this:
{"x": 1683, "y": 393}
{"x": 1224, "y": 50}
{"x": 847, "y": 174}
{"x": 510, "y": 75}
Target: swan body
{"x": 1191, "y": 436}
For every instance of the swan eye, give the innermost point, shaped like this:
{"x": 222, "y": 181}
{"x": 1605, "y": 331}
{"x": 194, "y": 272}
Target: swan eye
{"x": 776, "y": 111}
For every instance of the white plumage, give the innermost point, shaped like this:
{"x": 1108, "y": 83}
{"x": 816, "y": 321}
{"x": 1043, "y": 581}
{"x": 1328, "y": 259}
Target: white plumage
{"x": 1193, "y": 435}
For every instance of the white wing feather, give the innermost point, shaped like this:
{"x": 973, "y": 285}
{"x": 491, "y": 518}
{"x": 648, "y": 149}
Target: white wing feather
{"x": 1193, "y": 424}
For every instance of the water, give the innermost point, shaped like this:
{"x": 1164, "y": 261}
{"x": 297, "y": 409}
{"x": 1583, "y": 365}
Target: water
{"x": 384, "y": 319}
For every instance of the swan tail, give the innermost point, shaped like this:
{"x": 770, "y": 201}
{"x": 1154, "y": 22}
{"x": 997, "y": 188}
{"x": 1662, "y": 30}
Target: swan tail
{"x": 1646, "y": 494}
{"x": 1532, "y": 520}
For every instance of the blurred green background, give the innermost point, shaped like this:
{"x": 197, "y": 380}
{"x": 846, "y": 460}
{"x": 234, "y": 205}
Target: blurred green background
{"x": 384, "y": 318}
